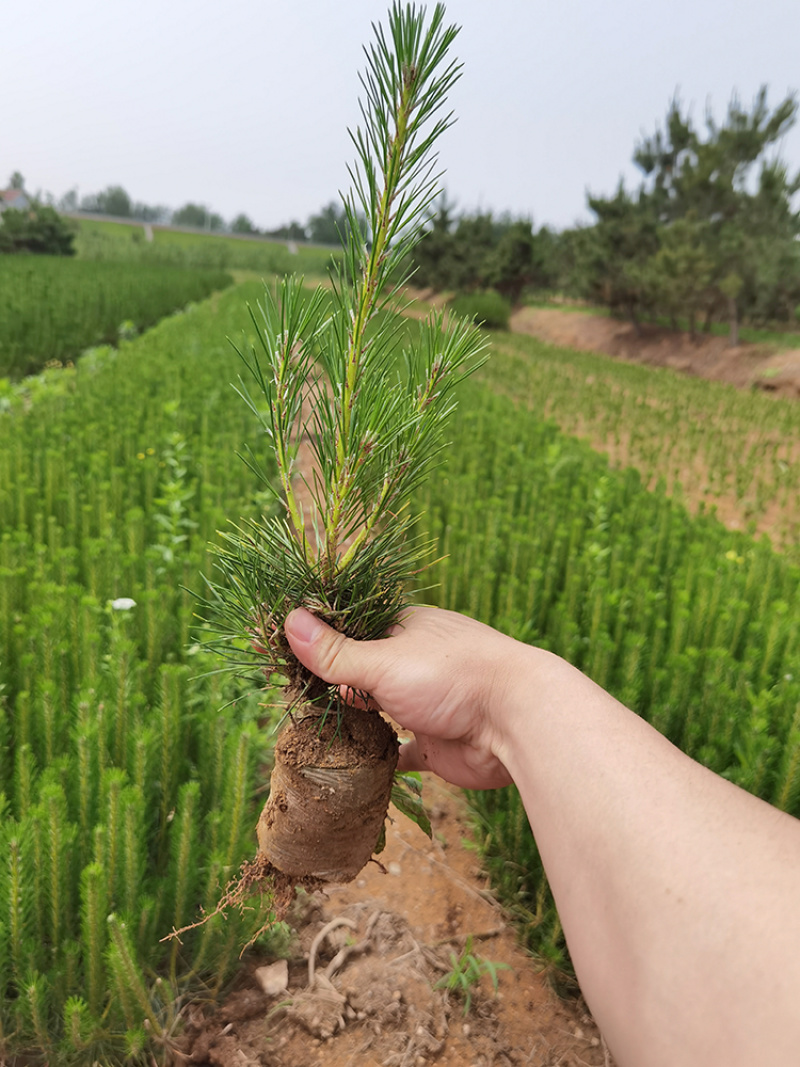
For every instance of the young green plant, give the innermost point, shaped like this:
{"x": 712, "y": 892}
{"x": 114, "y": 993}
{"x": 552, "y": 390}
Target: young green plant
{"x": 335, "y": 370}
{"x": 466, "y": 972}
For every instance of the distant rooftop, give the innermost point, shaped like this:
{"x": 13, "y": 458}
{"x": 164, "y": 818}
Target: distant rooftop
{"x": 14, "y": 198}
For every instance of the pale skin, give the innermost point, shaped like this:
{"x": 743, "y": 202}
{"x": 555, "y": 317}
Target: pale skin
{"x": 679, "y": 892}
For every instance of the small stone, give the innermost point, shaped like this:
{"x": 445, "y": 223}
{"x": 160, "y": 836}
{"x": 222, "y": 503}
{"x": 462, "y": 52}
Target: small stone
{"x": 395, "y": 868}
{"x": 578, "y": 1033}
{"x": 361, "y": 883}
{"x": 466, "y": 1030}
{"x": 274, "y": 978}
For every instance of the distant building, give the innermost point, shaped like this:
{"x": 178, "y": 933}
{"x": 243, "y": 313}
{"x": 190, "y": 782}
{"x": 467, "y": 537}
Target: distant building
{"x": 15, "y": 198}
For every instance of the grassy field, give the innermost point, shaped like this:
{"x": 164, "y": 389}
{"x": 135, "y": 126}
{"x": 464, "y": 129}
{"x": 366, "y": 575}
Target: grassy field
{"x": 127, "y": 764}
{"x": 99, "y": 240}
{"x": 621, "y": 564}
{"x": 51, "y": 308}
{"x": 717, "y": 449}
{"x": 690, "y": 624}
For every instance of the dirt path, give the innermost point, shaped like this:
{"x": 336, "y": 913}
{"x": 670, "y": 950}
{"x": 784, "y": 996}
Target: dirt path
{"x": 747, "y": 366}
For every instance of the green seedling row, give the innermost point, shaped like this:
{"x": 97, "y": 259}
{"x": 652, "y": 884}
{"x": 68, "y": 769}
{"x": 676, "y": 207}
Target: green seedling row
{"x": 693, "y": 626}
{"x": 732, "y": 451}
{"x": 128, "y": 764}
{"x": 52, "y": 308}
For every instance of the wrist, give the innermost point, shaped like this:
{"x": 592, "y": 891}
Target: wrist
{"x": 519, "y": 700}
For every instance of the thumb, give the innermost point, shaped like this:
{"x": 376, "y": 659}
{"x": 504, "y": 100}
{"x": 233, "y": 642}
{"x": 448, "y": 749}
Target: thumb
{"x": 330, "y": 655}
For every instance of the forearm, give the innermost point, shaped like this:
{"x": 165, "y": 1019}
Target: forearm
{"x": 678, "y": 891}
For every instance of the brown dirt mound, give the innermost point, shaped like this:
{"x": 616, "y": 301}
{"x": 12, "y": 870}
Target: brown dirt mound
{"x": 746, "y": 366}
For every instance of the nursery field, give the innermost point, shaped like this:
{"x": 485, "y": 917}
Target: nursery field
{"x": 99, "y": 240}
{"x": 127, "y": 770}
{"x": 717, "y": 448}
{"x": 130, "y": 767}
{"x": 691, "y": 624}
{"x": 52, "y": 307}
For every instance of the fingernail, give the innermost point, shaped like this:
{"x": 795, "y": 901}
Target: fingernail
{"x": 302, "y": 625}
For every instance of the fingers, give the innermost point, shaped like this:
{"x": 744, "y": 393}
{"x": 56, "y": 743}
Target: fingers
{"x": 330, "y": 655}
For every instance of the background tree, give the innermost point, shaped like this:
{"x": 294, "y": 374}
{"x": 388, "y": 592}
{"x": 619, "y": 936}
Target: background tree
{"x": 150, "y": 212}
{"x": 702, "y": 232}
{"x": 330, "y": 226}
{"x": 113, "y": 200}
{"x": 512, "y": 264}
{"x": 69, "y": 201}
{"x": 772, "y": 287}
{"x": 432, "y": 254}
{"x": 39, "y": 229}
{"x": 615, "y": 251}
{"x": 16, "y": 181}
{"x": 243, "y": 224}
{"x": 677, "y": 279}
{"x": 291, "y": 231}
{"x": 198, "y": 216}
{"x": 482, "y": 251}
{"x": 473, "y": 239}
{"x": 711, "y": 178}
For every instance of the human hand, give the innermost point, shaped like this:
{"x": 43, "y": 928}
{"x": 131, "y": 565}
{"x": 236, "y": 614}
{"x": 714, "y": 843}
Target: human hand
{"x": 439, "y": 674}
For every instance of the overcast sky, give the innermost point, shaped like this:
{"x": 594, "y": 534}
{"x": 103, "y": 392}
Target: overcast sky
{"x": 244, "y": 105}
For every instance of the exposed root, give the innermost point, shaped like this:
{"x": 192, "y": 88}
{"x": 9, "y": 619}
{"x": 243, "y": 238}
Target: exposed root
{"x": 256, "y": 877}
{"x": 323, "y": 933}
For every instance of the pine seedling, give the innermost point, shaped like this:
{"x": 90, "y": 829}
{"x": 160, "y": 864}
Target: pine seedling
{"x": 94, "y": 934}
{"x": 78, "y": 1024}
{"x": 333, "y": 372}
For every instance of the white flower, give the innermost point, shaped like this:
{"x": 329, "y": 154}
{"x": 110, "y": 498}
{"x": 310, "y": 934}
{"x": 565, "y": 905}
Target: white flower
{"x": 123, "y": 603}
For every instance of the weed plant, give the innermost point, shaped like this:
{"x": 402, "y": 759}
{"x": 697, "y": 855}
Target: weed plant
{"x": 466, "y": 973}
{"x": 52, "y": 308}
{"x": 127, "y": 770}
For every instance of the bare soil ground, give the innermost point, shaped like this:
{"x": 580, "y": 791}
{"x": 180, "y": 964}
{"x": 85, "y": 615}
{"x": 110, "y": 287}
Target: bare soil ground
{"x": 371, "y": 998}
{"x": 746, "y": 366}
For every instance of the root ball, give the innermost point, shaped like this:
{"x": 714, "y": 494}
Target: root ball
{"x": 329, "y": 794}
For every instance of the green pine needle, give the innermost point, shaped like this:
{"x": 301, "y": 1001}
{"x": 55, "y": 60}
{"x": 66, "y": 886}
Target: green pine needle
{"x": 329, "y": 370}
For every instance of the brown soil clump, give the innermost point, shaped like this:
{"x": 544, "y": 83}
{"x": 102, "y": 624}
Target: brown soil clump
{"x": 329, "y": 793}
